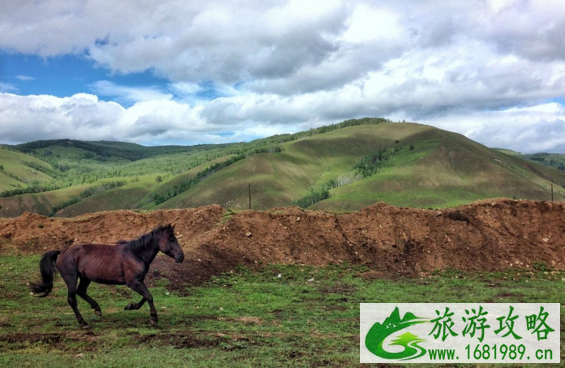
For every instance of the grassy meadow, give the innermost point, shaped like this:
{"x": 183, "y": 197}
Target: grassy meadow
{"x": 307, "y": 317}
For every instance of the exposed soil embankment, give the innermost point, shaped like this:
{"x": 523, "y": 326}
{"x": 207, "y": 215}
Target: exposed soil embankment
{"x": 487, "y": 235}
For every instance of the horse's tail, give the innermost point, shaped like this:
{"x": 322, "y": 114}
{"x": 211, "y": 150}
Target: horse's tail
{"x": 48, "y": 269}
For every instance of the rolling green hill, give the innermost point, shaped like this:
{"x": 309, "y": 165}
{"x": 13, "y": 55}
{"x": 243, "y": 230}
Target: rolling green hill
{"x": 105, "y": 150}
{"x": 18, "y": 170}
{"x": 278, "y": 179}
{"x": 345, "y": 166}
{"x": 446, "y": 169}
{"x": 555, "y": 160}
{"x": 426, "y": 167}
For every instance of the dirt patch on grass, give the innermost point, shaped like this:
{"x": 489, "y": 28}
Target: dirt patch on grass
{"x": 49, "y": 338}
{"x": 179, "y": 340}
{"x": 59, "y": 341}
{"x": 378, "y": 275}
{"x": 201, "y": 340}
{"x": 245, "y": 319}
{"x": 487, "y": 235}
{"x": 67, "y": 341}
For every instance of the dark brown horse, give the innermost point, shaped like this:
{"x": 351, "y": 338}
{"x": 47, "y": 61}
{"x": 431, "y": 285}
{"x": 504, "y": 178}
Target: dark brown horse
{"x": 125, "y": 263}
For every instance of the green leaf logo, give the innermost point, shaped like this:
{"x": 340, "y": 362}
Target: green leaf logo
{"x": 379, "y": 332}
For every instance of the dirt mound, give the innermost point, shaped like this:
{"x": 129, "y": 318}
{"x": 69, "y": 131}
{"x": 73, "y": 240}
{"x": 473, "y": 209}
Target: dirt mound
{"x": 487, "y": 235}
{"x": 33, "y": 233}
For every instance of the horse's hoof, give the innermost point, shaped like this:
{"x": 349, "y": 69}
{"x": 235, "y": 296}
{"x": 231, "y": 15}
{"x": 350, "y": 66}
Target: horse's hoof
{"x": 85, "y": 327}
{"x": 129, "y": 306}
{"x": 154, "y": 323}
{"x": 98, "y": 313}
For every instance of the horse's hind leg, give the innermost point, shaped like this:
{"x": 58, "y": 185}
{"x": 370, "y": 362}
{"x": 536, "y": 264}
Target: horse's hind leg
{"x": 81, "y": 291}
{"x": 135, "y": 306}
{"x": 71, "y": 281}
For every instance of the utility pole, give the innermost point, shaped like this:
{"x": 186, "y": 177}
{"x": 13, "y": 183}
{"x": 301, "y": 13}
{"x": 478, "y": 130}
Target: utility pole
{"x": 250, "y": 194}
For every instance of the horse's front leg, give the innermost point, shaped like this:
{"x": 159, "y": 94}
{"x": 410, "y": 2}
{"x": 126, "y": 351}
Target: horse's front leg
{"x": 139, "y": 287}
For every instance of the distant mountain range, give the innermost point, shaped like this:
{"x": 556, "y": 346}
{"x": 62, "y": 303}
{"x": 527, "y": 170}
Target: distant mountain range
{"x": 342, "y": 167}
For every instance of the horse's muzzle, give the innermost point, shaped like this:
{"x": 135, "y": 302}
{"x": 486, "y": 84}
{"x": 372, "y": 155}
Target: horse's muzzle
{"x": 179, "y": 258}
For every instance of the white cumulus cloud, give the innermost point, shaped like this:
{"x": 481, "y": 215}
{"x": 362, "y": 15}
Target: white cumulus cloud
{"x": 488, "y": 68}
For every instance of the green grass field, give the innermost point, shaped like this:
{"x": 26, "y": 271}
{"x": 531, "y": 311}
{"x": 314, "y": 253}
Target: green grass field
{"x": 307, "y": 317}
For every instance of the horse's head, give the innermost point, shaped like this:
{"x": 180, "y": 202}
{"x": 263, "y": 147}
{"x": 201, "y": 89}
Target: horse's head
{"x": 169, "y": 244}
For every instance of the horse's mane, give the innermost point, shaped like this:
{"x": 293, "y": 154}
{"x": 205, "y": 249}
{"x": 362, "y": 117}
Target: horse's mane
{"x": 138, "y": 245}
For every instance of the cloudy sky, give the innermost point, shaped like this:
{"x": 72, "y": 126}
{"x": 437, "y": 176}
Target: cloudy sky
{"x": 189, "y": 72}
